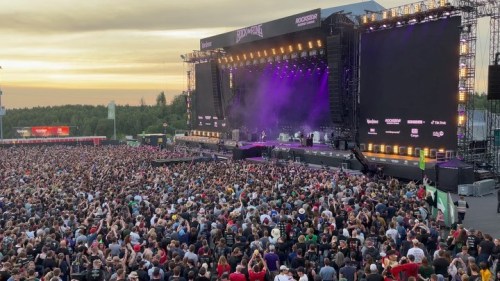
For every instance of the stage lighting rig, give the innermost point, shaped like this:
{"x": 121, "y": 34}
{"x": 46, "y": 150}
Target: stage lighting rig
{"x": 421, "y": 11}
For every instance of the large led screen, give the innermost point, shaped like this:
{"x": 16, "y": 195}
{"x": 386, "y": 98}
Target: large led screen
{"x": 409, "y": 85}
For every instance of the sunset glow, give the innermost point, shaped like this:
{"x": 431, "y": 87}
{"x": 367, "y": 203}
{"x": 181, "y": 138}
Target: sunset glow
{"x": 89, "y": 52}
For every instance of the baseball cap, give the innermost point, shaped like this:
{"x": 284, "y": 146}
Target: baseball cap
{"x": 283, "y": 267}
{"x": 137, "y": 248}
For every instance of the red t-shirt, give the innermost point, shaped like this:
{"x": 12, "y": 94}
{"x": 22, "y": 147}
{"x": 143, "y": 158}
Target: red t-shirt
{"x": 237, "y": 276}
{"x": 408, "y": 269}
{"x": 257, "y": 276}
{"x": 223, "y": 268}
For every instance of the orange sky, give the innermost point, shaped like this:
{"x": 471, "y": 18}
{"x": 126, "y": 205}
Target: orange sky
{"x": 59, "y": 52}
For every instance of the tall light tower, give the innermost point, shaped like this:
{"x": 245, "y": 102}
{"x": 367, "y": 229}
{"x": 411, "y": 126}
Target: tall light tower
{"x": 2, "y": 113}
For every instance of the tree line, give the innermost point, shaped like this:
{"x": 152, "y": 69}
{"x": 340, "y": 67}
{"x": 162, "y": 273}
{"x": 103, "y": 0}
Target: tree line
{"x": 89, "y": 120}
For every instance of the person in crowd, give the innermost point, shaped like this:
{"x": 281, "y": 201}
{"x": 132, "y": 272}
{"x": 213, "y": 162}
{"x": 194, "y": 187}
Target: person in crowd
{"x": 462, "y": 207}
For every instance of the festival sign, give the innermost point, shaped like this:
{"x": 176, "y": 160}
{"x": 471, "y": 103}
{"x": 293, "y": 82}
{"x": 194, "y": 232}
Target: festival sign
{"x": 50, "y": 131}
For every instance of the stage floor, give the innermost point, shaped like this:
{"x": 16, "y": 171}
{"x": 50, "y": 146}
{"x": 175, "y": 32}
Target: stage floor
{"x": 295, "y": 145}
{"x": 401, "y": 166}
{"x": 317, "y": 149}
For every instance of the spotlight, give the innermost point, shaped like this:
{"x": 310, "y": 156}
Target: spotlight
{"x": 365, "y": 19}
{"x": 417, "y": 7}
{"x": 461, "y": 120}
{"x": 258, "y": 54}
{"x": 394, "y": 12}
{"x": 265, "y": 53}
{"x": 245, "y": 56}
{"x": 320, "y": 44}
{"x": 384, "y": 26}
{"x": 238, "y": 58}
{"x": 274, "y": 51}
{"x": 399, "y": 23}
{"x": 282, "y": 49}
{"x": 430, "y": 4}
{"x": 406, "y": 10}
{"x": 231, "y": 58}
{"x": 310, "y": 44}
{"x": 464, "y": 48}
{"x": 251, "y": 55}
{"x": 290, "y": 48}
{"x": 299, "y": 46}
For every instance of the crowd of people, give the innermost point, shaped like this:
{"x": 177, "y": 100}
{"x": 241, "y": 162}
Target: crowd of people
{"x": 105, "y": 213}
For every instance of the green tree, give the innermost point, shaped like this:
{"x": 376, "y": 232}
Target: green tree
{"x": 161, "y": 100}
{"x": 87, "y": 120}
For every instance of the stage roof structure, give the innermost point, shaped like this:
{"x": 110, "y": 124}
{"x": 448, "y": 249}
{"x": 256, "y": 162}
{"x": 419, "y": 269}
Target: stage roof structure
{"x": 353, "y": 11}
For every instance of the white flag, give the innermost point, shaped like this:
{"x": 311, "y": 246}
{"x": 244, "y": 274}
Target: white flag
{"x": 111, "y": 110}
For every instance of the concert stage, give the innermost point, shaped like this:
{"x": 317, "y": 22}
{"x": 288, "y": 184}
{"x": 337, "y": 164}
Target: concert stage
{"x": 403, "y": 167}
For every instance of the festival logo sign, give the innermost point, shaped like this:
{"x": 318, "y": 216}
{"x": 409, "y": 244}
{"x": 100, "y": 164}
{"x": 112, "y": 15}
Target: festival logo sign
{"x": 306, "y": 20}
{"x": 255, "y": 30}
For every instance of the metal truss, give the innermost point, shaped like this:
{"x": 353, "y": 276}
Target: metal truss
{"x": 493, "y": 121}
{"x": 466, "y": 87}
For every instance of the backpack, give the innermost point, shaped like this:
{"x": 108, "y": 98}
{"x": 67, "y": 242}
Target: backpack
{"x": 401, "y": 234}
{"x": 77, "y": 265}
{"x": 312, "y": 256}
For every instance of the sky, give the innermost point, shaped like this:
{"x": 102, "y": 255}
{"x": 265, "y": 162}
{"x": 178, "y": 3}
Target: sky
{"x": 57, "y": 52}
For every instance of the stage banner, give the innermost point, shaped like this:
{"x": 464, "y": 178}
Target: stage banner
{"x": 421, "y": 160}
{"x": 23, "y": 132}
{"x": 303, "y": 21}
{"x": 61, "y": 131}
{"x": 443, "y": 205}
{"x": 50, "y": 131}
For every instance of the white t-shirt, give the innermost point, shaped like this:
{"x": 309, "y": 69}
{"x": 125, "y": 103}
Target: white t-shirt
{"x": 417, "y": 253}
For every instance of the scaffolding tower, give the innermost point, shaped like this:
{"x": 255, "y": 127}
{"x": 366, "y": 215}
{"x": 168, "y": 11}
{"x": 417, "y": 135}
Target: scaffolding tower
{"x": 492, "y": 9}
{"x": 482, "y": 156}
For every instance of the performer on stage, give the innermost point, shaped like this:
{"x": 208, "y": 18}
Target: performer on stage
{"x": 263, "y": 136}
{"x": 301, "y": 139}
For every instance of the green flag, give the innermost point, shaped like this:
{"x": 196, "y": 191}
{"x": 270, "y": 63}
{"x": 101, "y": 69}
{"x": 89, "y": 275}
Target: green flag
{"x": 443, "y": 203}
{"x": 421, "y": 161}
